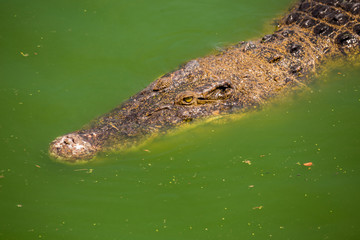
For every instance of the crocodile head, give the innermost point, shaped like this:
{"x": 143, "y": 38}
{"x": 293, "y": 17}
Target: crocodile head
{"x": 178, "y": 97}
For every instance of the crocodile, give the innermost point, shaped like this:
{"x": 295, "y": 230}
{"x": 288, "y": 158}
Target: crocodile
{"x": 239, "y": 78}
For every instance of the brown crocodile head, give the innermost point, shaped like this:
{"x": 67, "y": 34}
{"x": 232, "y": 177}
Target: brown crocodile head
{"x": 178, "y": 97}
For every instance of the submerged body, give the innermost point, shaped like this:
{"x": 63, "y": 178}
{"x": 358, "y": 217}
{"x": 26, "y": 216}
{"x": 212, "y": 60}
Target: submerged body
{"x": 242, "y": 77}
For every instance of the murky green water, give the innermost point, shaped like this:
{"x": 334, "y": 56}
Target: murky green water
{"x": 63, "y": 63}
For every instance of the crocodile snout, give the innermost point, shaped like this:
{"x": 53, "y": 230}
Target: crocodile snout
{"x": 72, "y": 147}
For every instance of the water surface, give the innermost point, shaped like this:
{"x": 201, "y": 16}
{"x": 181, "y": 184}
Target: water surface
{"x": 64, "y": 63}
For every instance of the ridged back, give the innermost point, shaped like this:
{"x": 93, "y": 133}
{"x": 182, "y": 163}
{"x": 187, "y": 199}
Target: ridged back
{"x": 336, "y": 20}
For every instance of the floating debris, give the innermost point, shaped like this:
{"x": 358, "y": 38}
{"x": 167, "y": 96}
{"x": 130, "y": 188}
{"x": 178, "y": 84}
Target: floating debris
{"x": 84, "y": 169}
{"x": 24, "y": 54}
{"x": 247, "y": 162}
{"x": 308, "y": 164}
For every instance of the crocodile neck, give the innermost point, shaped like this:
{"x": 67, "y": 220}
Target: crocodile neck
{"x": 313, "y": 31}
{"x": 332, "y": 26}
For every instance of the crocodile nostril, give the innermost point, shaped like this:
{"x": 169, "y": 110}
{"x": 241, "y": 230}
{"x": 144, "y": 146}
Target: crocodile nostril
{"x": 69, "y": 141}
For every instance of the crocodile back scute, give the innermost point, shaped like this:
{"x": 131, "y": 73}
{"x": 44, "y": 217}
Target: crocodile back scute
{"x": 335, "y": 20}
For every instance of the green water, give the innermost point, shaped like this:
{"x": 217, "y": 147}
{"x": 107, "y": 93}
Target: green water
{"x": 63, "y": 63}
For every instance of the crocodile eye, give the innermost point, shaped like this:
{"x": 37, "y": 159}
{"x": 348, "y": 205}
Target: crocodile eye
{"x": 188, "y": 99}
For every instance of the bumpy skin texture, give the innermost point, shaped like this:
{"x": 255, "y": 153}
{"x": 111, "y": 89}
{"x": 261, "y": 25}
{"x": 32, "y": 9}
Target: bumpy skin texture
{"x": 239, "y": 78}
